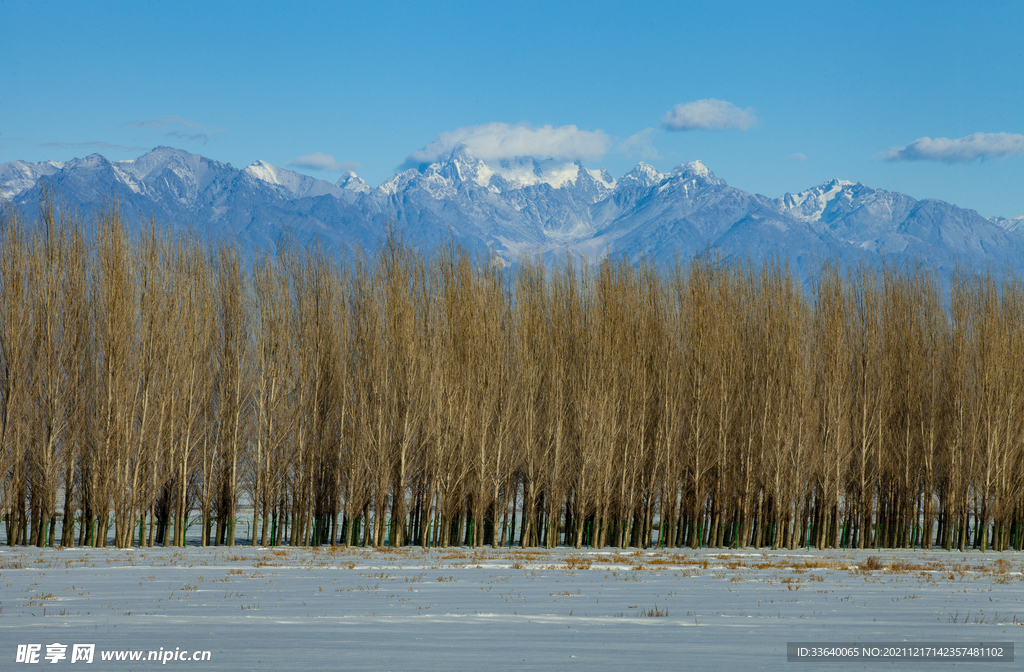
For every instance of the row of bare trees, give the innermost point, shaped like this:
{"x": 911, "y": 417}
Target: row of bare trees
{"x": 152, "y": 383}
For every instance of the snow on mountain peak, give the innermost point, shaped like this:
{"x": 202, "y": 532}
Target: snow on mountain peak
{"x": 649, "y": 170}
{"x": 644, "y": 174}
{"x": 811, "y": 204}
{"x": 294, "y": 183}
{"x": 692, "y": 169}
{"x": 160, "y": 158}
{"x": 262, "y": 170}
{"x": 516, "y": 172}
{"x": 523, "y": 204}
{"x": 603, "y": 177}
{"x": 17, "y": 177}
{"x": 1009, "y": 223}
{"x": 353, "y": 182}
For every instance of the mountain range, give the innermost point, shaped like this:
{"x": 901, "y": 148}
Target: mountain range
{"x": 525, "y": 206}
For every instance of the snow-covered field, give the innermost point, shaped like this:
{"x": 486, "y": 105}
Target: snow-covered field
{"x": 469, "y": 609}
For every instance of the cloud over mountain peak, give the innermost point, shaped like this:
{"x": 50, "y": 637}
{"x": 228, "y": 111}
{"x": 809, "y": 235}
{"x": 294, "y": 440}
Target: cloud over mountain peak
{"x": 710, "y": 114}
{"x": 518, "y": 204}
{"x": 497, "y": 140}
{"x": 959, "y": 150}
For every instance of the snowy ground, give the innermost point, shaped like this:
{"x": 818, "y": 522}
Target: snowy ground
{"x": 510, "y": 609}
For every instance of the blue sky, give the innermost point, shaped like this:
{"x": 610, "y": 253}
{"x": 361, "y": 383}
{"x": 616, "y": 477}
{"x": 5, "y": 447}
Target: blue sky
{"x": 773, "y": 97}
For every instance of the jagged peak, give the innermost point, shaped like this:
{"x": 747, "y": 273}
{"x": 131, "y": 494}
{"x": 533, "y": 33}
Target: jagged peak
{"x": 602, "y": 177}
{"x": 645, "y": 174}
{"x": 18, "y": 176}
{"x": 349, "y": 180}
{"x": 833, "y": 185}
{"x": 516, "y": 172}
{"x": 811, "y": 204}
{"x": 164, "y": 150}
{"x": 1009, "y": 223}
{"x": 296, "y": 184}
{"x": 90, "y": 160}
{"x": 693, "y": 169}
{"x": 266, "y": 172}
{"x": 162, "y": 157}
{"x": 460, "y": 166}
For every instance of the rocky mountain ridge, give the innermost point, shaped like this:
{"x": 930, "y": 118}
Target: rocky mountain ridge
{"x": 526, "y": 206}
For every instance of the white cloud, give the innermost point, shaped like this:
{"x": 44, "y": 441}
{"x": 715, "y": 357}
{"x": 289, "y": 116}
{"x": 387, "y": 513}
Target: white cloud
{"x": 93, "y": 145}
{"x": 711, "y": 114}
{"x": 321, "y": 161}
{"x": 176, "y": 127}
{"x": 639, "y": 144}
{"x": 797, "y": 157}
{"x": 959, "y": 150}
{"x": 497, "y": 140}
{"x": 6, "y": 143}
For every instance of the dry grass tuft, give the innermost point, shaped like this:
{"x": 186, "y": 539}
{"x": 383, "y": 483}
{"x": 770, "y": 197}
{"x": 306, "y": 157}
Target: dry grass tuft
{"x": 873, "y": 563}
{"x": 653, "y": 613}
{"x": 901, "y": 565}
{"x": 578, "y": 562}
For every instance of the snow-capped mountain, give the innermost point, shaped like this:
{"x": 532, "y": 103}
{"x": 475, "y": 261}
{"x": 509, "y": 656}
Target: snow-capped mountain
{"x": 524, "y": 206}
{"x": 884, "y": 222}
{"x": 1008, "y": 223}
{"x": 681, "y": 212}
{"x": 353, "y": 182}
{"x": 294, "y": 184}
{"x": 17, "y": 177}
